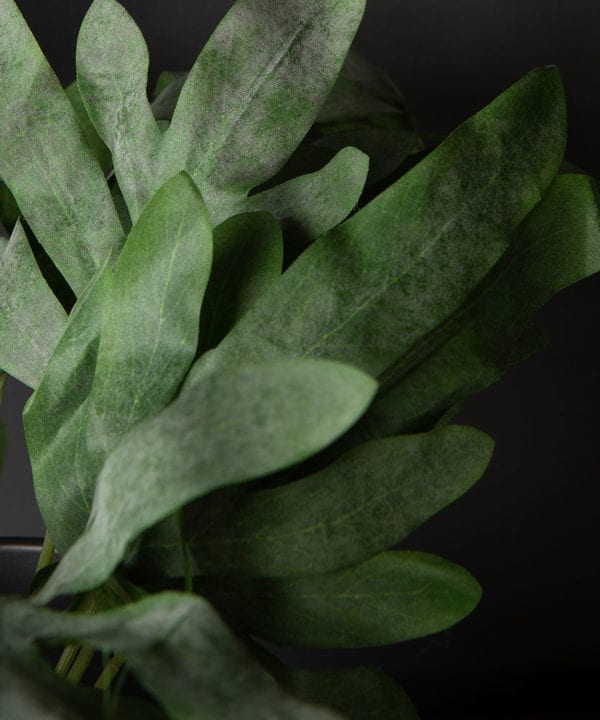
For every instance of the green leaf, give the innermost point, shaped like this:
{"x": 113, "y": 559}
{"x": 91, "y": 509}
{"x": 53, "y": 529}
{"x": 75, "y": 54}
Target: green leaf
{"x": 92, "y": 138}
{"x": 94, "y": 390}
{"x": 168, "y": 79}
{"x": 150, "y": 327}
{"x": 236, "y": 426}
{"x": 46, "y": 162}
{"x": 310, "y": 205}
{"x": 439, "y": 231}
{"x": 9, "y": 211}
{"x": 179, "y": 649}
{"x": 557, "y": 245}
{"x": 112, "y": 75}
{"x": 248, "y": 257}
{"x": 30, "y": 690}
{"x": 367, "y": 501}
{"x": 276, "y": 63}
{"x": 31, "y": 318}
{"x": 359, "y": 693}
{"x": 56, "y": 415}
{"x": 390, "y": 598}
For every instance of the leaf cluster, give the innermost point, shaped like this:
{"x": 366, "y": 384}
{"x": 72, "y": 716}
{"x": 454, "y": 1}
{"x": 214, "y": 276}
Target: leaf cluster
{"x": 249, "y": 307}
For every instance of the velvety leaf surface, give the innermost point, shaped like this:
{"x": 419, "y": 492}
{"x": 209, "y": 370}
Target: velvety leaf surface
{"x": 95, "y": 389}
{"x": 275, "y": 63}
{"x": 370, "y": 291}
{"x": 392, "y": 597}
{"x": 365, "y": 502}
{"x": 31, "y": 318}
{"x": 236, "y": 426}
{"x": 310, "y": 205}
{"x": 359, "y": 693}
{"x": 557, "y": 245}
{"x": 248, "y": 256}
{"x": 90, "y": 133}
{"x": 56, "y": 415}
{"x": 112, "y": 75}
{"x": 180, "y": 651}
{"x": 46, "y": 162}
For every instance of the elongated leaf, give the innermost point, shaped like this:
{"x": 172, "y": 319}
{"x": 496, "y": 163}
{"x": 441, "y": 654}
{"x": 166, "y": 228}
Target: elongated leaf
{"x": 31, "y": 318}
{"x": 439, "y": 231}
{"x": 29, "y": 690}
{"x": 167, "y": 78}
{"x": 95, "y": 389}
{"x": 248, "y": 257}
{"x": 360, "y": 693}
{"x": 392, "y": 597}
{"x": 236, "y": 426}
{"x": 276, "y": 63}
{"x": 112, "y": 75}
{"x": 310, "y": 205}
{"x": 90, "y": 133}
{"x": 179, "y": 649}
{"x": 365, "y": 502}
{"x": 56, "y": 414}
{"x": 45, "y": 160}
{"x": 150, "y": 328}
{"x": 557, "y": 245}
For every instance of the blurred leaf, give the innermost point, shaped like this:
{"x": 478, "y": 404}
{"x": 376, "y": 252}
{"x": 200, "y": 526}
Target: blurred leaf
{"x": 248, "y": 256}
{"x": 167, "y": 79}
{"x": 31, "y": 318}
{"x": 112, "y": 75}
{"x": 46, "y": 162}
{"x": 439, "y": 230}
{"x": 236, "y": 426}
{"x": 392, "y": 597}
{"x": 180, "y": 651}
{"x": 557, "y": 245}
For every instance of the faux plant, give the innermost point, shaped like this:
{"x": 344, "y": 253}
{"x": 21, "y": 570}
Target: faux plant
{"x": 249, "y": 310}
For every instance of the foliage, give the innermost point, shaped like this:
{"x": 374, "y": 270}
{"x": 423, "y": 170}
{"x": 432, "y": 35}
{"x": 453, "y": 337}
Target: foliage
{"x": 278, "y": 309}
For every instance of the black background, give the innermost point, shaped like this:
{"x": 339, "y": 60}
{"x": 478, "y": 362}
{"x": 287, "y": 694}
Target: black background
{"x": 530, "y": 530}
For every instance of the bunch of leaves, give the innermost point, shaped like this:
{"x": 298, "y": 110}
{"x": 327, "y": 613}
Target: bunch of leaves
{"x": 222, "y": 451}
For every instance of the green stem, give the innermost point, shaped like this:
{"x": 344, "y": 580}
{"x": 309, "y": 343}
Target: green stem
{"x": 81, "y": 664}
{"x": 47, "y": 553}
{"x": 110, "y": 672}
{"x": 66, "y": 660}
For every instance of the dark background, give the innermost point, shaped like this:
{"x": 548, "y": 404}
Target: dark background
{"x": 530, "y": 530}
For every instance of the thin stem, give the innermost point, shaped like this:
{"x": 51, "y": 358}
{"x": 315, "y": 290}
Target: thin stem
{"x": 66, "y": 659}
{"x": 110, "y": 672}
{"x": 46, "y": 554}
{"x": 81, "y": 664}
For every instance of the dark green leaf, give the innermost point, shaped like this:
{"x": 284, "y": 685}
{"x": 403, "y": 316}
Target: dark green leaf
{"x": 310, "y": 205}
{"x": 112, "y": 74}
{"x": 168, "y": 79}
{"x": 9, "y": 211}
{"x": 248, "y": 256}
{"x": 392, "y": 597}
{"x": 46, "y": 162}
{"x": 179, "y": 649}
{"x": 31, "y": 318}
{"x": 276, "y": 63}
{"x": 557, "y": 245}
{"x": 236, "y": 426}
{"x": 360, "y": 693}
{"x": 94, "y": 140}
{"x": 439, "y": 230}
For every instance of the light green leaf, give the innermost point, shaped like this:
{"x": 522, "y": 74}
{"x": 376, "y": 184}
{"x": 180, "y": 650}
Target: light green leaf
{"x": 236, "y": 426}
{"x": 365, "y": 502}
{"x": 31, "y": 318}
{"x": 94, "y": 390}
{"x": 276, "y": 63}
{"x": 46, "y": 162}
{"x": 112, "y": 75}
{"x": 390, "y": 598}
{"x": 94, "y": 140}
{"x": 359, "y": 693}
{"x": 56, "y": 415}
{"x": 310, "y": 205}
{"x": 248, "y": 256}
{"x": 557, "y": 245}
{"x": 179, "y": 649}
{"x": 439, "y": 230}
